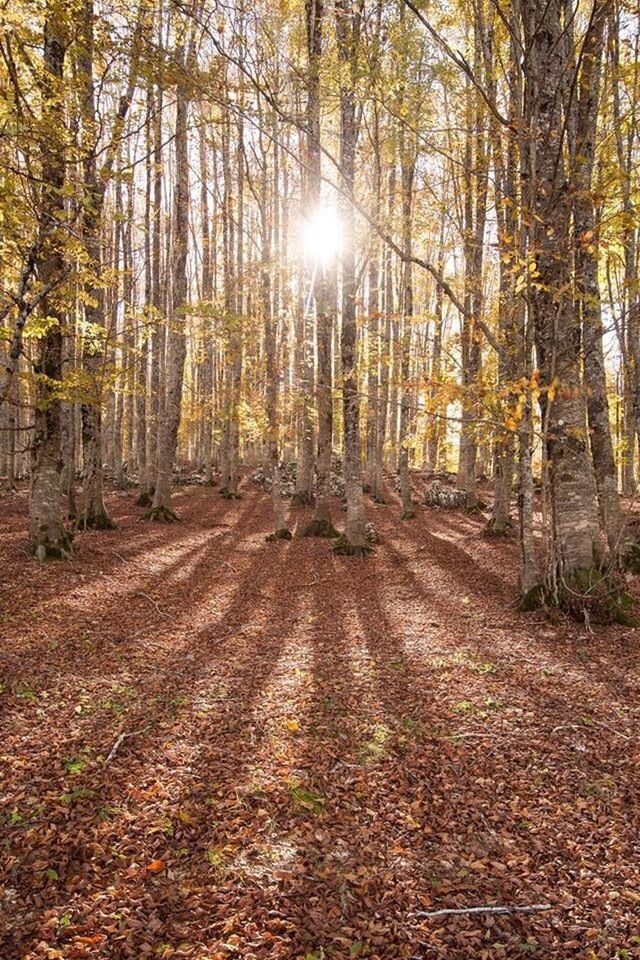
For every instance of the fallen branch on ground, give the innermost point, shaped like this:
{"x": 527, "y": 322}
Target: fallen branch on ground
{"x": 151, "y": 600}
{"x": 592, "y": 723}
{"x": 532, "y": 908}
{"x": 119, "y": 741}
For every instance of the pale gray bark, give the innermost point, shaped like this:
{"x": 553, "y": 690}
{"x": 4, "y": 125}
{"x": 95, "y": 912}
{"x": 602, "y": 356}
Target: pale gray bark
{"x": 48, "y": 536}
{"x": 348, "y": 26}
{"x": 161, "y": 508}
{"x": 575, "y": 531}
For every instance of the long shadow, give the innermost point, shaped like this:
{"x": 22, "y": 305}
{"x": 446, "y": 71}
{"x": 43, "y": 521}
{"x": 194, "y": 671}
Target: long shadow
{"x": 168, "y": 660}
{"x": 101, "y": 554}
{"x": 319, "y": 810}
{"x": 223, "y": 731}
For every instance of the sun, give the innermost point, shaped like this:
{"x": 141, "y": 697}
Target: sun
{"x": 322, "y": 236}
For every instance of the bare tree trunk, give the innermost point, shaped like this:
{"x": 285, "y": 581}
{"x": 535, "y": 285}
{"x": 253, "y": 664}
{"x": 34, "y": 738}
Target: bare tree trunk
{"x": 586, "y": 228}
{"x": 348, "y": 26}
{"x": 630, "y": 321}
{"x": 142, "y": 395}
{"x": 576, "y": 544}
{"x": 321, "y": 524}
{"x": 407, "y": 167}
{"x": 157, "y": 334}
{"x": 161, "y": 508}
{"x": 48, "y": 536}
{"x": 476, "y": 176}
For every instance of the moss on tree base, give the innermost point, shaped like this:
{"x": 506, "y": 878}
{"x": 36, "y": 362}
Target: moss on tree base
{"x": 320, "y": 528}
{"x": 229, "y": 495}
{"x": 493, "y": 530}
{"x": 162, "y": 515}
{"x": 408, "y": 515}
{"x": 97, "y": 521}
{"x": 282, "y": 534}
{"x": 145, "y": 499}
{"x": 343, "y": 547}
{"x": 533, "y": 599}
{"x": 476, "y": 507}
{"x": 588, "y": 595}
{"x": 631, "y": 558}
{"x": 302, "y": 499}
{"x": 60, "y": 549}
{"x": 600, "y": 597}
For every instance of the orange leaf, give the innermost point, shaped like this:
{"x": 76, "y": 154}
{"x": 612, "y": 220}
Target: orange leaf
{"x": 156, "y": 865}
{"x": 95, "y": 939}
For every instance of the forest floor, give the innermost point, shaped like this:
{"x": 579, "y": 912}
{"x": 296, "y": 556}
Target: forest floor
{"x": 218, "y": 747}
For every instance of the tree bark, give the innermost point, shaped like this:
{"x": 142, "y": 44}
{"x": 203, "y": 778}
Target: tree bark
{"x": 161, "y": 508}
{"x": 348, "y": 26}
{"x": 48, "y": 536}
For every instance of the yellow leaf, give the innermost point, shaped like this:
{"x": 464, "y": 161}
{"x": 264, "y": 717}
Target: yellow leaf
{"x": 292, "y": 725}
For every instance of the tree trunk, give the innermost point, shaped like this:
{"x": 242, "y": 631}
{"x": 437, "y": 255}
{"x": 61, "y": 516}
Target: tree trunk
{"x": 161, "y": 508}
{"x": 321, "y": 524}
{"x": 575, "y": 536}
{"x": 348, "y": 25}
{"x": 586, "y": 228}
{"x": 48, "y": 536}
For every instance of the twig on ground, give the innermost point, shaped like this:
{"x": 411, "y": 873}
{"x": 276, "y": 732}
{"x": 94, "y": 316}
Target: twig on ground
{"x": 119, "y": 741}
{"x": 146, "y": 596}
{"x": 531, "y": 908}
{"x": 592, "y": 723}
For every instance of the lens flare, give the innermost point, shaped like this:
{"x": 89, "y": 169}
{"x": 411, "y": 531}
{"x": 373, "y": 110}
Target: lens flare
{"x": 322, "y": 236}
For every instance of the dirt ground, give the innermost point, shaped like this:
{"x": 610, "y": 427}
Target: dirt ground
{"x": 218, "y": 747}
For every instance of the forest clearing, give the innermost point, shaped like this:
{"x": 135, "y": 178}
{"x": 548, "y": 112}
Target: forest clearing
{"x": 319, "y": 479}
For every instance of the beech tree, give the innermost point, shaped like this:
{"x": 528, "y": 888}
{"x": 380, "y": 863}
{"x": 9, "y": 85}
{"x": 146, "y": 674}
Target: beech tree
{"x": 356, "y": 248}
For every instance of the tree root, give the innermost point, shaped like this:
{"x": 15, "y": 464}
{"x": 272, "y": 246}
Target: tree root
{"x": 61, "y": 549}
{"x": 533, "y": 599}
{"x": 588, "y": 595}
{"x": 96, "y": 521}
{"x": 476, "y": 507}
{"x": 162, "y": 515}
{"x": 282, "y": 534}
{"x": 320, "y": 528}
{"x": 343, "y": 547}
{"x": 592, "y": 595}
{"x": 492, "y": 530}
